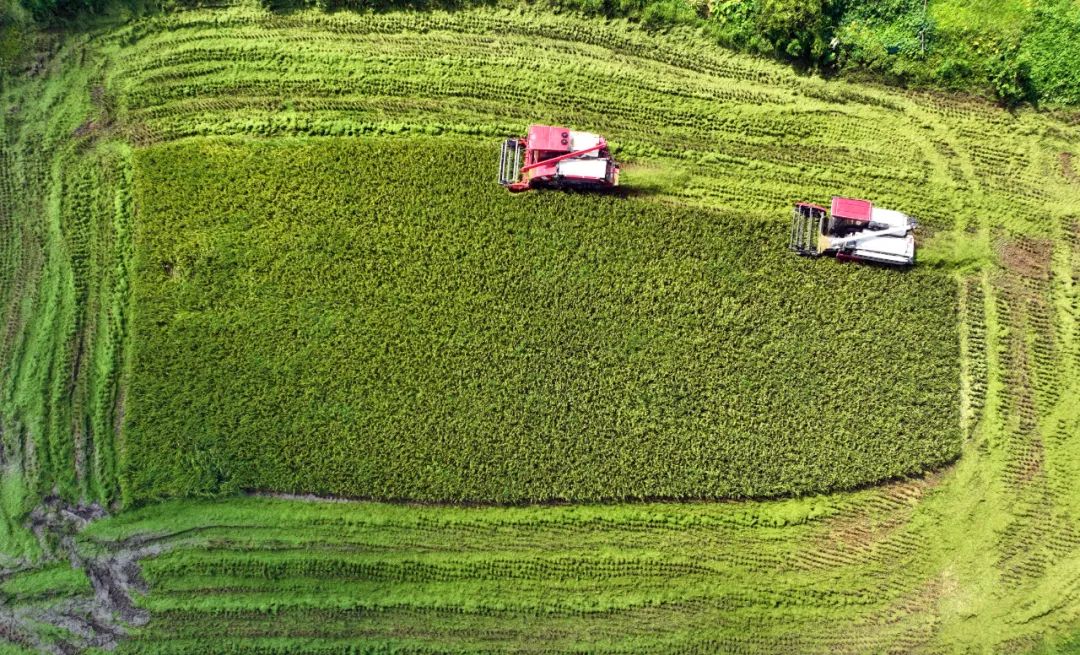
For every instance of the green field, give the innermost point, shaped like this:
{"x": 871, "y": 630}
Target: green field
{"x": 211, "y": 284}
{"x": 376, "y": 318}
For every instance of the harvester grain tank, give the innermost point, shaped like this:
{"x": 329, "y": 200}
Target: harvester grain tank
{"x": 853, "y": 230}
{"x": 557, "y": 157}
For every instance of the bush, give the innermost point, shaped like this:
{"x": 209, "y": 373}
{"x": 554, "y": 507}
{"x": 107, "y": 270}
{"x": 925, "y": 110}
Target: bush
{"x": 1051, "y": 52}
{"x": 1010, "y": 77}
{"x": 668, "y": 12}
{"x": 798, "y": 29}
{"x": 15, "y": 32}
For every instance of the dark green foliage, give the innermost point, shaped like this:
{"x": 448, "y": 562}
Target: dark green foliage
{"x": 378, "y": 318}
{"x": 1018, "y": 52}
{"x": 49, "y": 10}
{"x": 1052, "y": 51}
{"x": 15, "y": 32}
{"x": 798, "y": 31}
{"x": 886, "y": 37}
{"x": 1010, "y": 75}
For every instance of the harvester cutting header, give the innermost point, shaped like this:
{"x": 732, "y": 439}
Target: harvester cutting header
{"x": 854, "y": 230}
{"x": 557, "y": 157}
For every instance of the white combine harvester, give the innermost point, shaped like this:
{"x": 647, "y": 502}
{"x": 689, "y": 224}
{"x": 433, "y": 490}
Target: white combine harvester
{"x": 854, "y": 230}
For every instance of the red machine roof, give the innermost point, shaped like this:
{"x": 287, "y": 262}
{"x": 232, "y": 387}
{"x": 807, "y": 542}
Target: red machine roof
{"x": 547, "y": 137}
{"x": 810, "y": 205}
{"x": 851, "y": 209}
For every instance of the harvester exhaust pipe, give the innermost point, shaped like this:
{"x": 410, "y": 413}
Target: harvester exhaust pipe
{"x": 510, "y": 162}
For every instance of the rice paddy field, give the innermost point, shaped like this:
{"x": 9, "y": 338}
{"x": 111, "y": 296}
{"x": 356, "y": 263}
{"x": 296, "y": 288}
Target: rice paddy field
{"x": 375, "y": 318}
{"x": 255, "y": 263}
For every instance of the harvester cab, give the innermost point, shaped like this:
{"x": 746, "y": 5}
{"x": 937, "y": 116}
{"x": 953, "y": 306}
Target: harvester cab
{"x": 557, "y": 157}
{"x": 853, "y": 230}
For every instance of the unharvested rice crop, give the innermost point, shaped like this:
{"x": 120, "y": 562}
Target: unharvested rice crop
{"x": 377, "y": 318}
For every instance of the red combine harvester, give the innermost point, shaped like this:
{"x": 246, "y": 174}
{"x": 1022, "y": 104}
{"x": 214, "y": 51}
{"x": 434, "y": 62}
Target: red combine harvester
{"x": 557, "y": 157}
{"x": 854, "y": 230}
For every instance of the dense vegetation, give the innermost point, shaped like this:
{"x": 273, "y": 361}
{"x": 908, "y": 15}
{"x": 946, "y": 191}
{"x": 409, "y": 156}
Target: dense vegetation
{"x": 1020, "y": 51}
{"x": 1014, "y": 50}
{"x": 377, "y": 318}
{"x": 983, "y": 555}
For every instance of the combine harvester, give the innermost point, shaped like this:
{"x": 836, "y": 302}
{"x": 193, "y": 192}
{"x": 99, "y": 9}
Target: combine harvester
{"x": 855, "y": 231}
{"x": 557, "y": 157}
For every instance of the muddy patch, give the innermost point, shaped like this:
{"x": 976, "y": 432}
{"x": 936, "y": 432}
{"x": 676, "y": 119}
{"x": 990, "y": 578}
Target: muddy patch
{"x": 97, "y": 620}
{"x": 1028, "y": 257}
